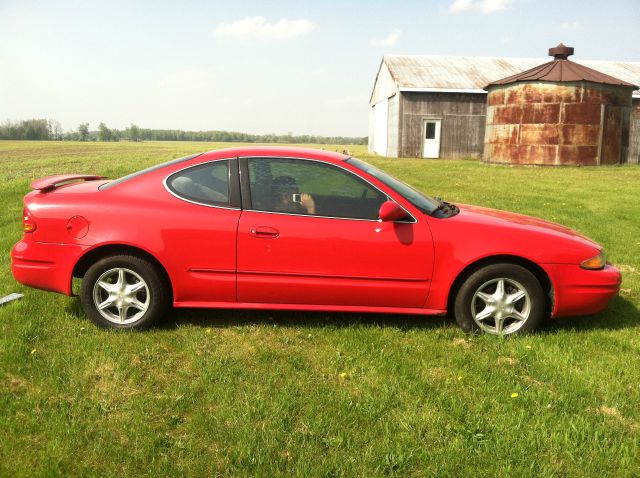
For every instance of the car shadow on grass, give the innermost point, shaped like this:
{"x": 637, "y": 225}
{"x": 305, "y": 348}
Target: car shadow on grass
{"x": 285, "y": 318}
{"x": 621, "y": 314}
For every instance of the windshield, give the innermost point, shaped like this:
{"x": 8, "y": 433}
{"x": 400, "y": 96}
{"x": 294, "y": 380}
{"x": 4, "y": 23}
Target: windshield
{"x": 426, "y": 204}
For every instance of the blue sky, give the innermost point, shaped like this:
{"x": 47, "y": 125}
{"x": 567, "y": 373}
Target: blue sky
{"x": 265, "y": 67}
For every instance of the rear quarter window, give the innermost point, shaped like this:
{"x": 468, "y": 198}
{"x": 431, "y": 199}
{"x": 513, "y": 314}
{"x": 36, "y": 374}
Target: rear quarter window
{"x": 203, "y": 184}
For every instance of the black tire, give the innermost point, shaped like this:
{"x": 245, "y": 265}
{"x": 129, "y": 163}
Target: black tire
{"x": 504, "y": 314}
{"x": 126, "y": 308}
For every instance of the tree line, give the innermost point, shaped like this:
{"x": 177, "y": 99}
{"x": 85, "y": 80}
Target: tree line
{"x": 48, "y": 130}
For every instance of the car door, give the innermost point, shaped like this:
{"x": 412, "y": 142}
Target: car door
{"x": 199, "y": 231}
{"x": 333, "y": 253}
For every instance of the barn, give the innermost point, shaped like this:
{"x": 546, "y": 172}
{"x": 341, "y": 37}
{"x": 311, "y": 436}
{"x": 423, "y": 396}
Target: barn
{"x": 435, "y": 106}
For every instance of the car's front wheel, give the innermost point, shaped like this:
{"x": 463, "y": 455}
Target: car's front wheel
{"x": 124, "y": 292}
{"x": 500, "y": 299}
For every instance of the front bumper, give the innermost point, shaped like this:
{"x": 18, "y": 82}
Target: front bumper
{"x": 43, "y": 265}
{"x": 583, "y": 292}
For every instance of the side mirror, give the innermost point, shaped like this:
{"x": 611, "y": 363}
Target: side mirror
{"x": 390, "y": 211}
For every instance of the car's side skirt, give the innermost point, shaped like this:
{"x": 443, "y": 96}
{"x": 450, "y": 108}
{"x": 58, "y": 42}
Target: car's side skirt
{"x": 310, "y": 307}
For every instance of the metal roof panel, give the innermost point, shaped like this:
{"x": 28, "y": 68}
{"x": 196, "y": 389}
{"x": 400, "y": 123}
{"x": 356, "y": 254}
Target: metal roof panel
{"x": 474, "y": 73}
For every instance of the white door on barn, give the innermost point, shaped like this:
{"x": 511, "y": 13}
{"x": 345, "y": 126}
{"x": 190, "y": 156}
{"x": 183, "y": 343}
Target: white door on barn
{"x": 431, "y": 136}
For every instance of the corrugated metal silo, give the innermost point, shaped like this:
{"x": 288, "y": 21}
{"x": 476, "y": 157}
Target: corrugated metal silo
{"x": 559, "y": 113}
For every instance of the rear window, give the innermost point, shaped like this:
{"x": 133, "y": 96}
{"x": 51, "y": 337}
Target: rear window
{"x": 115, "y": 182}
{"x": 203, "y": 184}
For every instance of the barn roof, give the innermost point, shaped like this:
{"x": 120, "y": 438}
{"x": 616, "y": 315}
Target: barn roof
{"x": 470, "y": 74}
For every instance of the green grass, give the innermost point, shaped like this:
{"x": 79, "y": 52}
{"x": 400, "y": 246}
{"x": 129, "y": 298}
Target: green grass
{"x": 236, "y": 393}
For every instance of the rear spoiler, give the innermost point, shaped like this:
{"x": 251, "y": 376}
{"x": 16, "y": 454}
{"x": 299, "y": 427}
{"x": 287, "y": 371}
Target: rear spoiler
{"x": 51, "y": 182}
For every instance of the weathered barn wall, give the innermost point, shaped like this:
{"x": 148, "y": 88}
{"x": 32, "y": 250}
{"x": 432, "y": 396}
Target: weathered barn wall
{"x": 370, "y": 137}
{"x": 555, "y": 124}
{"x": 384, "y": 87}
{"x": 462, "y": 128}
{"x": 378, "y": 140}
{"x": 634, "y": 133}
{"x": 393, "y": 122}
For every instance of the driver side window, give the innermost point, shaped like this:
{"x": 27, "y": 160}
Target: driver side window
{"x": 307, "y": 187}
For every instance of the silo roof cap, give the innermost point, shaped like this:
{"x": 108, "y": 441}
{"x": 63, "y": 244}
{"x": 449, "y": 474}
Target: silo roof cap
{"x": 562, "y": 70}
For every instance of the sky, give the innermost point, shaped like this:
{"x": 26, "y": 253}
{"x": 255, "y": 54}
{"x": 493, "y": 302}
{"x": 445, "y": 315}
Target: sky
{"x": 265, "y": 67}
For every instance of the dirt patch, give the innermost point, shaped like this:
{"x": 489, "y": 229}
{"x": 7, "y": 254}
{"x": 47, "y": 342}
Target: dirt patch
{"x": 615, "y": 414}
{"x": 464, "y": 343}
{"x": 610, "y": 411}
{"x": 16, "y": 384}
{"x": 507, "y": 361}
{"x": 435, "y": 374}
{"x": 627, "y": 269}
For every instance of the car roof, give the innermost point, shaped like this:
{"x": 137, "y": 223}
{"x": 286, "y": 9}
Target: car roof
{"x": 284, "y": 151}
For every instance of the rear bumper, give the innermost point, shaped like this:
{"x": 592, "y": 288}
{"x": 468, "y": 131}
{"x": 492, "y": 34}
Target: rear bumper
{"x": 583, "y": 292}
{"x": 45, "y": 266}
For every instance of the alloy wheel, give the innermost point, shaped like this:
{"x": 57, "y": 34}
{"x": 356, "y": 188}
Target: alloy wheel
{"x": 501, "y": 306}
{"x": 121, "y": 296}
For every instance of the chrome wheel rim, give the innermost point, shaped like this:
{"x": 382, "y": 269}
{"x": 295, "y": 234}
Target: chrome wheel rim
{"x": 121, "y": 296}
{"x": 501, "y": 306}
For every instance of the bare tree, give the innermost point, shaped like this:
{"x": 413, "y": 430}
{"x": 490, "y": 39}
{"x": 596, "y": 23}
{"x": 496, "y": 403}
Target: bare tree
{"x": 83, "y": 131}
{"x": 56, "y": 130}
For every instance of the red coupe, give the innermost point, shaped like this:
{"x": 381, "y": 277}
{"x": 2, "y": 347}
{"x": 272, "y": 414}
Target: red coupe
{"x": 287, "y": 228}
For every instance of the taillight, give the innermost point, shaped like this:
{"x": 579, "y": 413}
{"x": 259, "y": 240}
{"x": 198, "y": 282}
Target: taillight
{"x": 28, "y": 224}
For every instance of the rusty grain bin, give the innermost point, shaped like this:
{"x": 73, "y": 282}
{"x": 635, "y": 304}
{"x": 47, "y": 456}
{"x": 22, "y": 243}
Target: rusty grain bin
{"x": 559, "y": 113}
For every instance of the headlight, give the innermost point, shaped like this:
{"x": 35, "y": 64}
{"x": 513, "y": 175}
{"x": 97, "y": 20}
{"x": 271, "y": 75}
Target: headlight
{"x": 594, "y": 263}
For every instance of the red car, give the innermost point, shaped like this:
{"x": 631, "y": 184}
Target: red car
{"x": 287, "y": 228}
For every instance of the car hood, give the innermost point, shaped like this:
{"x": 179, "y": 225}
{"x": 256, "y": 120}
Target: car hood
{"x": 497, "y": 218}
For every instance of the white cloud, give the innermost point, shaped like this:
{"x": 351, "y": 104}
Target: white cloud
{"x": 259, "y": 27}
{"x": 390, "y": 40}
{"x": 484, "y": 6}
{"x": 489, "y": 6}
{"x": 573, "y": 26}
{"x": 460, "y": 6}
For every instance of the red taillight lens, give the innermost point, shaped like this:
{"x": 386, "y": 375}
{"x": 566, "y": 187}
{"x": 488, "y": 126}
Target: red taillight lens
{"x": 28, "y": 224}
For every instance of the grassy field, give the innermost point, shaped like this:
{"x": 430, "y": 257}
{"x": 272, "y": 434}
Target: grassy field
{"x": 228, "y": 393}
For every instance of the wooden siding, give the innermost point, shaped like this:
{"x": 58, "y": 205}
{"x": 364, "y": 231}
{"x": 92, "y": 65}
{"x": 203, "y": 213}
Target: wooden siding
{"x": 384, "y": 87}
{"x": 371, "y": 130}
{"x": 634, "y": 134}
{"x": 393, "y": 123}
{"x": 462, "y": 127}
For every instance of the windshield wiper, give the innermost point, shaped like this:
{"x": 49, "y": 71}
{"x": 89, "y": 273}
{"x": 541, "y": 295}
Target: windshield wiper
{"x": 445, "y": 207}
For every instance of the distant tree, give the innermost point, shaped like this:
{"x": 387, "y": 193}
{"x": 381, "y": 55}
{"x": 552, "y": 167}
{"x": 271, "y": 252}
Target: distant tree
{"x": 104, "y": 133}
{"x": 56, "y": 130}
{"x": 83, "y": 131}
{"x": 34, "y": 129}
{"x": 133, "y": 133}
{"x": 41, "y": 129}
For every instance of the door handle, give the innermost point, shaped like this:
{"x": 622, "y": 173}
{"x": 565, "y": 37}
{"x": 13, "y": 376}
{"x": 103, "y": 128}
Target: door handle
{"x": 265, "y": 232}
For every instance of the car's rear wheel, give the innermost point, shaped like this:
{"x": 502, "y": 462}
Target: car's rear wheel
{"x": 124, "y": 292}
{"x": 500, "y": 299}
